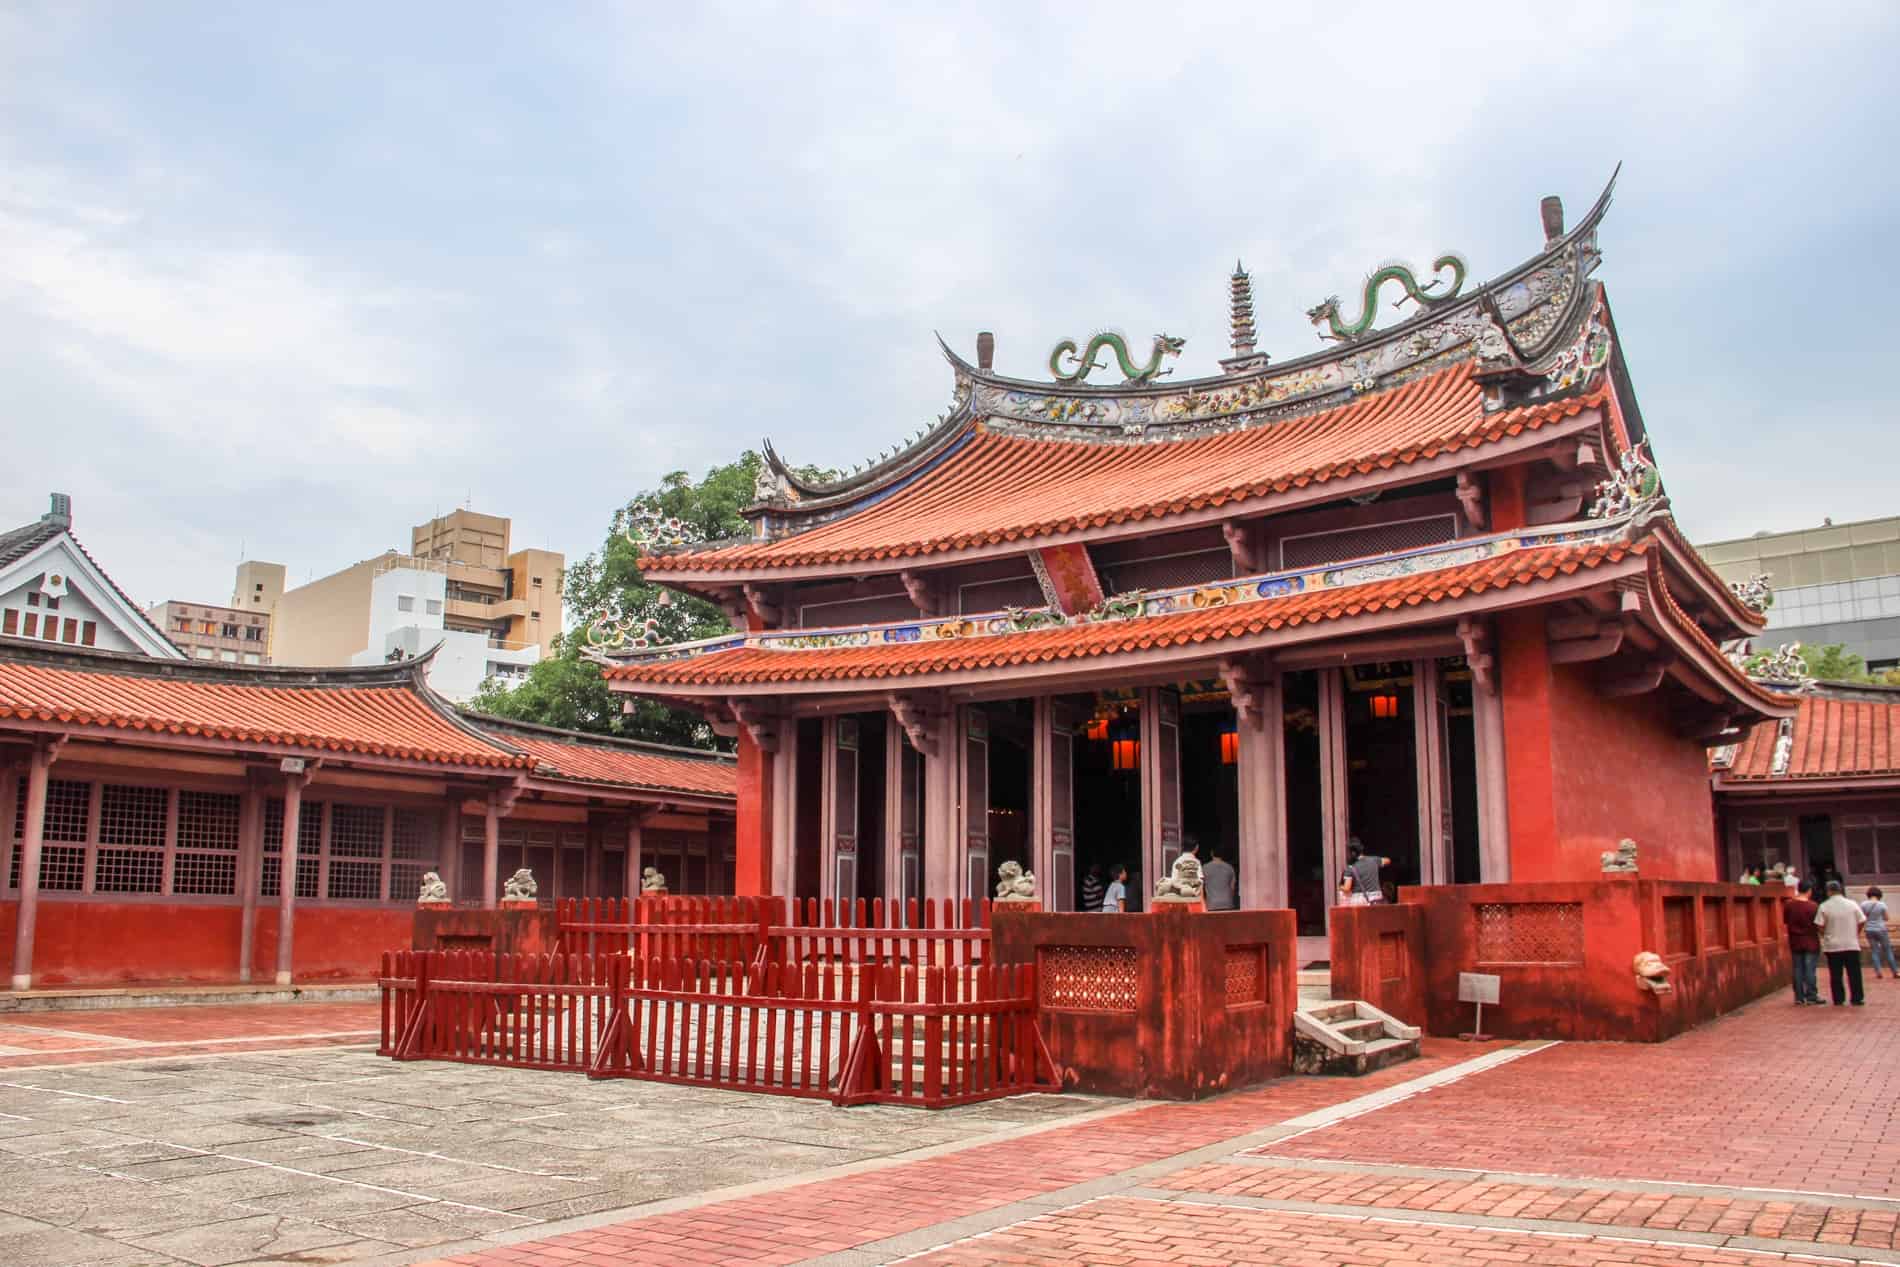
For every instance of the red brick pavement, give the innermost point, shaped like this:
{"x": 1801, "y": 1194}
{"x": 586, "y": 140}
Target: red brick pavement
{"x": 44, "y": 1038}
{"x": 808, "y": 1220}
{"x": 1131, "y": 1232}
{"x": 1805, "y": 1099}
{"x": 1609, "y": 1206}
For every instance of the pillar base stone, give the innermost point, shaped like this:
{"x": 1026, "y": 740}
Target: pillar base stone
{"x": 23, "y": 983}
{"x": 283, "y": 978}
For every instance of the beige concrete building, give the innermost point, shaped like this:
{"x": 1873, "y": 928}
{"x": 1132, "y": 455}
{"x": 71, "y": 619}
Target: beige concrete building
{"x": 229, "y": 635}
{"x": 494, "y": 611}
{"x": 1834, "y": 583}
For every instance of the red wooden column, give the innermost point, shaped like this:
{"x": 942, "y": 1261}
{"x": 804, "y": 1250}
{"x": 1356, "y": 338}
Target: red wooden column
{"x": 491, "y": 850}
{"x": 1160, "y": 784}
{"x": 33, "y": 834}
{"x": 449, "y": 853}
{"x": 1494, "y": 824}
{"x": 970, "y": 872}
{"x": 752, "y": 844}
{"x": 1530, "y": 780}
{"x": 295, "y": 777}
{"x": 1430, "y": 764}
{"x": 1335, "y": 805}
{"x": 903, "y": 817}
{"x": 636, "y": 831}
{"x": 1261, "y": 781}
{"x": 1052, "y": 792}
{"x": 250, "y": 871}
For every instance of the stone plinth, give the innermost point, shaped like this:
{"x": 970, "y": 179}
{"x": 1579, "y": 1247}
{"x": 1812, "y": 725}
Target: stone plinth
{"x": 528, "y": 931}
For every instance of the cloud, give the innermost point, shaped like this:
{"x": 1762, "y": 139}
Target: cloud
{"x": 263, "y": 279}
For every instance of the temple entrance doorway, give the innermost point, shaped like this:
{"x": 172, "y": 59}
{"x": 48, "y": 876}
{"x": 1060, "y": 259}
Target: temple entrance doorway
{"x": 871, "y": 852}
{"x": 1210, "y": 784}
{"x": 808, "y": 827}
{"x": 1382, "y": 766}
{"x": 1107, "y": 750}
{"x": 1461, "y": 766}
{"x": 1308, "y": 892}
{"x": 1011, "y": 729}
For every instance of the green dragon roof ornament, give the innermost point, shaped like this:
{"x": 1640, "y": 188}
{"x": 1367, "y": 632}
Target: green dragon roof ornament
{"x": 1327, "y": 310}
{"x": 1164, "y": 345}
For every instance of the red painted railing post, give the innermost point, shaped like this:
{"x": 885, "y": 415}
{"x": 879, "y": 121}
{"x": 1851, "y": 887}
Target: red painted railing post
{"x": 418, "y": 1016}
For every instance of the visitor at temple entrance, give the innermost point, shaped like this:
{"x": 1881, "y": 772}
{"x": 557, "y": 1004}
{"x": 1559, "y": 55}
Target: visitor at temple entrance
{"x": 1840, "y": 920}
{"x": 1220, "y": 884}
{"x": 1751, "y": 875}
{"x": 1092, "y": 889}
{"x": 1804, "y": 944}
{"x": 1115, "y": 900}
{"x": 1360, "y": 884}
{"x": 1879, "y": 942}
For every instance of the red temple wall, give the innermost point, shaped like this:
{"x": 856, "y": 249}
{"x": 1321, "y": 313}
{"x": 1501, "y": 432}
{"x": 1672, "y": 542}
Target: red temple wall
{"x": 1584, "y": 770}
{"x": 752, "y": 843}
{"x": 103, "y": 944}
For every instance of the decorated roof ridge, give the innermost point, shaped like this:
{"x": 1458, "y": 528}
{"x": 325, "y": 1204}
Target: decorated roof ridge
{"x": 488, "y": 723}
{"x": 1193, "y": 633}
{"x": 410, "y": 672}
{"x": 1464, "y": 431}
{"x": 1507, "y": 300}
{"x": 1136, "y": 604}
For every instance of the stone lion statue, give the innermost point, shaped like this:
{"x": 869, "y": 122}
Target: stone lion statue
{"x": 1651, "y": 972}
{"x": 1183, "y": 883}
{"x": 1621, "y": 858}
{"x": 433, "y": 889}
{"x": 520, "y": 887}
{"x": 1014, "y": 884}
{"x": 651, "y": 881}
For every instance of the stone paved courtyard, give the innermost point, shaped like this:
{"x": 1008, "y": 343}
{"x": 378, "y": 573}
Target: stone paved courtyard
{"x": 1770, "y": 1136}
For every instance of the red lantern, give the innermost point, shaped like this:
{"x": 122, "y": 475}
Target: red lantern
{"x": 1126, "y": 753}
{"x": 1385, "y": 707}
{"x": 1097, "y": 728}
{"x": 1229, "y": 747}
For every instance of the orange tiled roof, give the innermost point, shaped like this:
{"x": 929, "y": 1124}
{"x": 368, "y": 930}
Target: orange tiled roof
{"x": 1833, "y": 739}
{"x": 761, "y": 666}
{"x": 631, "y": 767}
{"x": 377, "y": 720}
{"x": 1000, "y": 487}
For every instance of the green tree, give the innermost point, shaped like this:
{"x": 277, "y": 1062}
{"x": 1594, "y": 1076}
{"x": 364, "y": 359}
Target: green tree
{"x": 605, "y": 591}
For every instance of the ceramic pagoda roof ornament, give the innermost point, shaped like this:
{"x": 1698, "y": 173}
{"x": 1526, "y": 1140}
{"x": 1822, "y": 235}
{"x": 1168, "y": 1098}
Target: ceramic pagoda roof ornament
{"x": 1240, "y": 320}
{"x": 1326, "y": 311}
{"x": 1785, "y": 664}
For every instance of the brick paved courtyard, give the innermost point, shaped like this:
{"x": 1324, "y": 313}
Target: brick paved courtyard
{"x": 1769, "y": 1136}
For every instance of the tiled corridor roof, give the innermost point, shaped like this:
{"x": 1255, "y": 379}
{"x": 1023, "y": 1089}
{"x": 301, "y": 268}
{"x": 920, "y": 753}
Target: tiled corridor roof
{"x": 1832, "y": 739}
{"x": 382, "y": 716}
{"x": 751, "y": 665}
{"x": 625, "y": 763}
{"x": 997, "y": 487}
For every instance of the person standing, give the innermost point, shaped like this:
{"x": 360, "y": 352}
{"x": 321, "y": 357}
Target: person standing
{"x": 1360, "y": 885}
{"x": 1750, "y": 875}
{"x": 1221, "y": 884}
{"x": 1839, "y": 920}
{"x": 1115, "y": 899}
{"x": 1092, "y": 889}
{"x": 1804, "y": 944}
{"x": 1879, "y": 941}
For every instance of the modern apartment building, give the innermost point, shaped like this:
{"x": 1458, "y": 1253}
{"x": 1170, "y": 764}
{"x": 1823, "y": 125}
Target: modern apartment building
{"x": 1835, "y": 583}
{"x": 492, "y": 611}
{"x": 229, "y": 635}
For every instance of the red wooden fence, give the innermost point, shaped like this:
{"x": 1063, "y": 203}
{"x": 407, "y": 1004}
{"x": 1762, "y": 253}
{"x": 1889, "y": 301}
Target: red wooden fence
{"x": 717, "y": 928}
{"x": 944, "y": 932}
{"x": 892, "y": 1033}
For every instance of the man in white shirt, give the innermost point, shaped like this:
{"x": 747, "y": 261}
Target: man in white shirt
{"x": 1839, "y": 920}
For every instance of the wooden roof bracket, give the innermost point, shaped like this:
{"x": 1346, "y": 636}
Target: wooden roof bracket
{"x": 1475, "y": 633}
{"x": 916, "y": 715}
{"x": 758, "y": 719}
{"x": 1471, "y": 499}
{"x": 1246, "y": 543}
{"x": 1247, "y": 680}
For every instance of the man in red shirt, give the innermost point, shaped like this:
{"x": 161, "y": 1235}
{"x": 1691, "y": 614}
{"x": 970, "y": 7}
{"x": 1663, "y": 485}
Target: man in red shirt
{"x": 1804, "y": 944}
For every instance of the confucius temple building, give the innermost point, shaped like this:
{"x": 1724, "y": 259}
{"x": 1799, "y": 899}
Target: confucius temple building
{"x": 1421, "y": 587}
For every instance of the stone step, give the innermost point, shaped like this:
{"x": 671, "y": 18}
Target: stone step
{"x": 1386, "y": 1052}
{"x": 1346, "y": 1036}
{"x": 1365, "y": 1031}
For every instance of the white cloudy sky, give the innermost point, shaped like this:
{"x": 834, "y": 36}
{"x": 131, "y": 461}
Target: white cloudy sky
{"x": 288, "y": 279}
